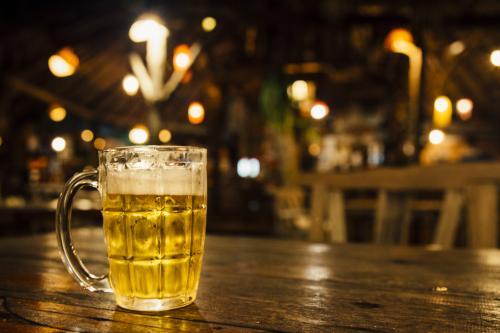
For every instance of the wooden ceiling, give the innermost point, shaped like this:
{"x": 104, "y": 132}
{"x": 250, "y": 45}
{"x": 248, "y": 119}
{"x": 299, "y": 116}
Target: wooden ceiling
{"x": 252, "y": 39}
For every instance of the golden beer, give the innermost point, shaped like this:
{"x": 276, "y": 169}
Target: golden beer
{"x": 155, "y": 245}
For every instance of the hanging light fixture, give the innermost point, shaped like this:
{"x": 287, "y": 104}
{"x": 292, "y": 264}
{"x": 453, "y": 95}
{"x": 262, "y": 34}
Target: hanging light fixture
{"x": 146, "y": 28}
{"x": 64, "y": 63}
{"x": 196, "y": 113}
{"x": 399, "y": 40}
{"x": 464, "y": 108}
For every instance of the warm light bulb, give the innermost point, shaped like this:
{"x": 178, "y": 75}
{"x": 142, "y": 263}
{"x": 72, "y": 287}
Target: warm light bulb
{"x": 165, "y": 135}
{"x": 100, "y": 143}
{"x": 64, "y": 63}
{"x": 319, "y": 110}
{"x": 182, "y": 57}
{"x": 139, "y": 134}
{"x": 87, "y": 135}
{"x": 59, "y": 67}
{"x": 495, "y": 58}
{"x": 196, "y": 113}
{"x": 436, "y": 136}
{"x": 464, "y": 108}
{"x": 442, "y": 103}
{"x": 208, "y": 24}
{"x": 399, "y": 40}
{"x": 130, "y": 84}
{"x": 299, "y": 90}
{"x": 57, "y": 113}
{"x": 58, "y": 144}
{"x": 146, "y": 29}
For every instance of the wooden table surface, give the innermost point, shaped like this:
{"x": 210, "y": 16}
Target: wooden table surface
{"x": 261, "y": 285}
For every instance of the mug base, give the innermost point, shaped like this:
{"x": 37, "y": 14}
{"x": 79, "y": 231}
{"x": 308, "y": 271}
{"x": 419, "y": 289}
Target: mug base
{"x": 154, "y": 304}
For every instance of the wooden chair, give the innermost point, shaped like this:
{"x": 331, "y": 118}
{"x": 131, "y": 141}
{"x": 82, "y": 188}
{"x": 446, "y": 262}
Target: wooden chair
{"x": 471, "y": 186}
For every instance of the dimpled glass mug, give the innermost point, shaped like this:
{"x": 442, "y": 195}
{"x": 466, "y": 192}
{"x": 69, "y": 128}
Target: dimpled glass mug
{"x": 154, "y": 206}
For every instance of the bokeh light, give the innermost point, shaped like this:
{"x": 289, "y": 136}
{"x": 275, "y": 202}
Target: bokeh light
{"x": 495, "y": 58}
{"x": 139, "y": 134}
{"x": 319, "y": 110}
{"x": 399, "y": 40}
{"x": 182, "y": 57}
{"x": 314, "y": 149}
{"x": 146, "y": 29}
{"x": 99, "y": 143}
{"x": 130, "y": 84}
{"x": 196, "y": 113}
{"x": 64, "y": 63}
{"x": 208, "y": 23}
{"x": 436, "y": 136}
{"x": 248, "y": 167}
{"x": 164, "y": 135}
{"x": 456, "y": 47}
{"x": 87, "y": 135}
{"x": 442, "y": 111}
{"x": 58, "y": 144}
{"x": 464, "y": 108}
{"x": 442, "y": 103}
{"x": 57, "y": 113}
{"x": 299, "y": 90}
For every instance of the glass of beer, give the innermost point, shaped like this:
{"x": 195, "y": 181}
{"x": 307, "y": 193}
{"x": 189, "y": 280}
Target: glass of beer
{"x": 154, "y": 205}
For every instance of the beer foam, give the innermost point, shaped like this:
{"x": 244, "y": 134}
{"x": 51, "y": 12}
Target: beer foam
{"x": 170, "y": 181}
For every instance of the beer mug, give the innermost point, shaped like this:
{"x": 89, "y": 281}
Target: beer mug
{"x": 154, "y": 205}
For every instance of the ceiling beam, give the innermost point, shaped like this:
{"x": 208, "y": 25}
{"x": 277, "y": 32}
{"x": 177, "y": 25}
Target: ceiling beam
{"x": 84, "y": 112}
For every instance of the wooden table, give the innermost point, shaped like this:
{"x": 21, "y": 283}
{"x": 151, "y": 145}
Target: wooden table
{"x": 474, "y": 185}
{"x": 266, "y": 285}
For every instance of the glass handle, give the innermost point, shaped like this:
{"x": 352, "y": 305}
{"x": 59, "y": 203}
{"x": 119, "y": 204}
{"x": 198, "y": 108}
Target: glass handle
{"x": 68, "y": 253}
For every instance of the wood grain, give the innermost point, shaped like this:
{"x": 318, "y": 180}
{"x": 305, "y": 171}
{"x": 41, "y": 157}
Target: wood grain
{"x": 264, "y": 285}
{"x": 436, "y": 177}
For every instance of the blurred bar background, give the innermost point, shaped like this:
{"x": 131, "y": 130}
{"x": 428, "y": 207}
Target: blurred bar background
{"x": 347, "y": 121}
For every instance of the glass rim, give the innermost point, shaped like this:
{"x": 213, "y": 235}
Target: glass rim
{"x": 166, "y": 148}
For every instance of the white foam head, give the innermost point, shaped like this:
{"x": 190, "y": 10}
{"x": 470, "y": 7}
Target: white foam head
{"x": 168, "y": 181}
